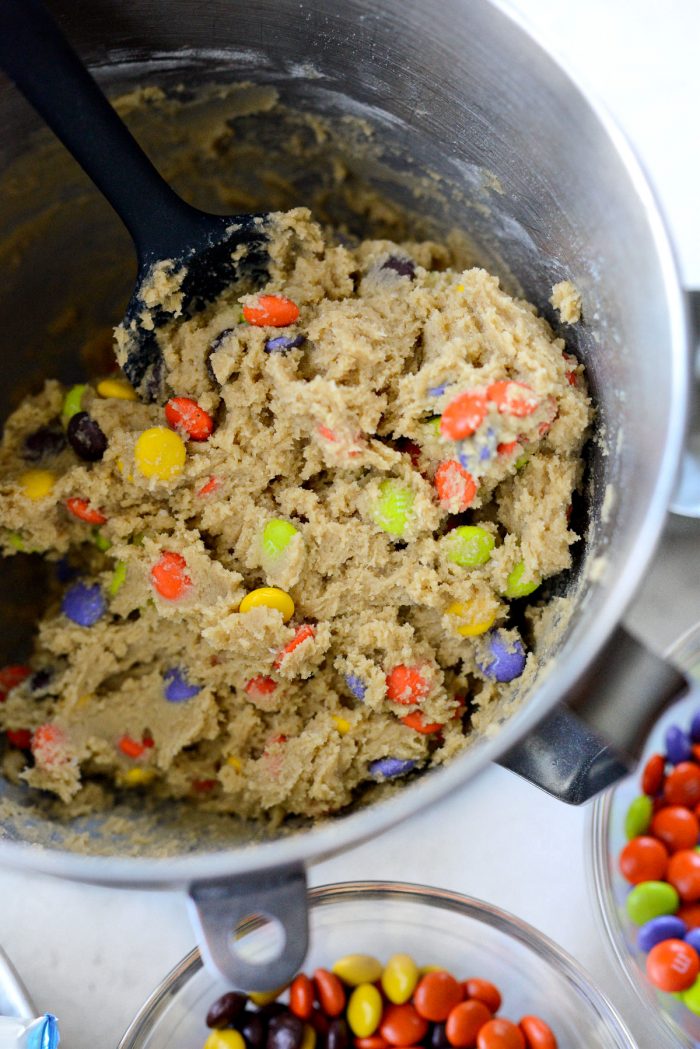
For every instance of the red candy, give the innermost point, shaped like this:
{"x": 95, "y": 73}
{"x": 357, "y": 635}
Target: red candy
{"x": 374, "y": 1041}
{"x": 330, "y": 992}
{"x": 690, "y": 913}
{"x": 673, "y": 965}
{"x": 417, "y": 722}
{"x": 507, "y": 448}
{"x": 643, "y": 859}
{"x": 131, "y": 747}
{"x": 185, "y": 414}
{"x": 260, "y": 686}
{"x": 483, "y": 991}
{"x": 455, "y": 486}
{"x": 19, "y": 737}
{"x": 272, "y": 311}
{"x": 682, "y": 786}
{"x": 81, "y": 509}
{"x": 512, "y": 398}
{"x": 48, "y": 745}
{"x": 406, "y": 685}
{"x": 211, "y": 486}
{"x": 10, "y": 677}
{"x": 302, "y": 996}
{"x": 402, "y": 1025}
{"x": 676, "y": 827}
{"x": 436, "y": 996}
{"x": 464, "y": 1023}
{"x": 302, "y": 634}
{"x": 500, "y": 1034}
{"x": 537, "y": 1034}
{"x": 169, "y": 576}
{"x": 684, "y": 874}
{"x": 653, "y": 774}
{"x": 463, "y": 416}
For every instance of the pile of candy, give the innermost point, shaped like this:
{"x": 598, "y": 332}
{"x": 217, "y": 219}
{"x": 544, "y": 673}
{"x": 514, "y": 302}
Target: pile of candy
{"x": 360, "y": 1003}
{"x": 661, "y": 860}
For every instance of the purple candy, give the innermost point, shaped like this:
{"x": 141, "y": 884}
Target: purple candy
{"x": 356, "y": 686}
{"x": 464, "y": 460}
{"x": 403, "y": 266}
{"x": 667, "y": 927}
{"x": 282, "y": 343}
{"x": 507, "y": 657}
{"x": 692, "y": 937}
{"x": 484, "y": 454}
{"x": 84, "y": 604}
{"x": 65, "y": 571}
{"x": 677, "y": 745}
{"x": 177, "y": 688}
{"x": 437, "y": 391}
{"x": 387, "y": 768}
{"x": 695, "y": 727}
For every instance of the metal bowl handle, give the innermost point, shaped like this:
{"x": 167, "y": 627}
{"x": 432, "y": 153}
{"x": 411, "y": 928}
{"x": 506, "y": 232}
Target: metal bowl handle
{"x": 219, "y": 907}
{"x": 686, "y": 498}
{"x": 599, "y": 735}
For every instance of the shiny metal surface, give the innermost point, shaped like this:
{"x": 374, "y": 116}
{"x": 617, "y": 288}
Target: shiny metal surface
{"x": 523, "y": 160}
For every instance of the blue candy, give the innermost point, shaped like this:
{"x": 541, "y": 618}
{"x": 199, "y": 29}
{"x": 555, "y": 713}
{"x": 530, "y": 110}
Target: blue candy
{"x": 84, "y": 604}
{"x": 437, "y": 391}
{"x": 387, "y": 768}
{"x": 356, "y": 686}
{"x": 677, "y": 745}
{"x": 693, "y": 938}
{"x": 65, "y": 571}
{"x": 507, "y": 657}
{"x": 282, "y": 343}
{"x": 695, "y": 727}
{"x": 667, "y": 927}
{"x": 177, "y": 688}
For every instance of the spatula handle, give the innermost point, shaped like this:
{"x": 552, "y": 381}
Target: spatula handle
{"x": 38, "y": 58}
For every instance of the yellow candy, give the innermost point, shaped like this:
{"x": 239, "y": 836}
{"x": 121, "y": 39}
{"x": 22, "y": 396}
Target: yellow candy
{"x": 260, "y": 998}
{"x": 119, "y": 389}
{"x": 308, "y": 1040}
{"x": 225, "y": 1040}
{"x": 469, "y": 626}
{"x": 235, "y": 763}
{"x": 399, "y": 978}
{"x": 269, "y": 597}
{"x": 343, "y": 726}
{"x": 160, "y": 453}
{"x": 138, "y": 777}
{"x": 425, "y": 969}
{"x": 355, "y": 969}
{"x": 364, "y": 1008}
{"x": 37, "y": 484}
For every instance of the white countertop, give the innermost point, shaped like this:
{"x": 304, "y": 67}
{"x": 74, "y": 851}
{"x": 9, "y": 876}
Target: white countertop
{"x": 92, "y": 955}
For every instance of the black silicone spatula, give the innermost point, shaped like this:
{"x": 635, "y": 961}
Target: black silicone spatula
{"x": 37, "y": 57}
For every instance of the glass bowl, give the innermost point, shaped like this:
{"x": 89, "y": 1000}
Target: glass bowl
{"x": 673, "y": 1024}
{"x": 467, "y": 936}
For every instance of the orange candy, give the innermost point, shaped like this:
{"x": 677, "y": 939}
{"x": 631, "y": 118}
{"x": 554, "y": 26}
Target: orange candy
{"x": 463, "y": 416}
{"x": 500, "y": 1034}
{"x": 643, "y": 859}
{"x": 211, "y": 486}
{"x": 436, "y": 996}
{"x": 169, "y": 576}
{"x": 455, "y": 486}
{"x": 653, "y": 774}
{"x": 10, "y": 677}
{"x": 483, "y": 991}
{"x": 464, "y": 1023}
{"x": 684, "y": 874}
{"x": 272, "y": 311}
{"x": 302, "y": 997}
{"x": 512, "y": 398}
{"x": 302, "y": 633}
{"x": 260, "y": 686}
{"x": 182, "y": 413}
{"x": 131, "y": 747}
{"x": 406, "y": 685}
{"x": 690, "y": 913}
{"x": 538, "y": 1034}
{"x": 49, "y": 745}
{"x": 373, "y": 1041}
{"x": 417, "y": 722}
{"x": 673, "y": 965}
{"x": 507, "y": 447}
{"x": 81, "y": 509}
{"x": 676, "y": 827}
{"x": 329, "y": 991}
{"x": 402, "y": 1025}
{"x": 682, "y": 786}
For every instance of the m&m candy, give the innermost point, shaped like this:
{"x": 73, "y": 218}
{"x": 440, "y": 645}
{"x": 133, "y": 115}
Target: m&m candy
{"x": 84, "y": 604}
{"x": 273, "y": 311}
{"x": 160, "y": 453}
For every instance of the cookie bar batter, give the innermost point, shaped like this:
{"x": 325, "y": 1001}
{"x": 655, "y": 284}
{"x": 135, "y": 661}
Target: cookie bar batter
{"x": 298, "y": 576}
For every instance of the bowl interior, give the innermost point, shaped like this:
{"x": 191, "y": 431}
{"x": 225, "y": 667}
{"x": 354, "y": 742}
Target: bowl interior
{"x": 466, "y": 936}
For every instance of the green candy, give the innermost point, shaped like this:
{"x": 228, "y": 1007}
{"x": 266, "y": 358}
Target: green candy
{"x": 16, "y": 542}
{"x": 117, "y": 580}
{"x": 521, "y": 461}
{"x": 651, "y": 899}
{"x": 73, "y": 402}
{"x": 101, "y": 541}
{"x": 691, "y": 997}
{"x": 469, "y": 545}
{"x": 432, "y": 425}
{"x": 394, "y": 507}
{"x": 276, "y": 537}
{"x": 517, "y": 585}
{"x": 638, "y": 817}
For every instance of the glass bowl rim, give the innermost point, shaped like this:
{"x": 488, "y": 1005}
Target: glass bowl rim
{"x": 148, "y": 1016}
{"x": 680, "y": 652}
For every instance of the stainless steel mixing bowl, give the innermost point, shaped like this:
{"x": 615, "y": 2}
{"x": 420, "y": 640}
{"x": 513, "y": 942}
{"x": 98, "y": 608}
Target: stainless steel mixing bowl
{"x": 470, "y": 123}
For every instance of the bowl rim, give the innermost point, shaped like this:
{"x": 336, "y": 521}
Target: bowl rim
{"x": 681, "y": 651}
{"x": 148, "y": 1016}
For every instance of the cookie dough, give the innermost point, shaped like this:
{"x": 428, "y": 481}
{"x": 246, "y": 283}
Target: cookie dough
{"x": 303, "y": 574}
